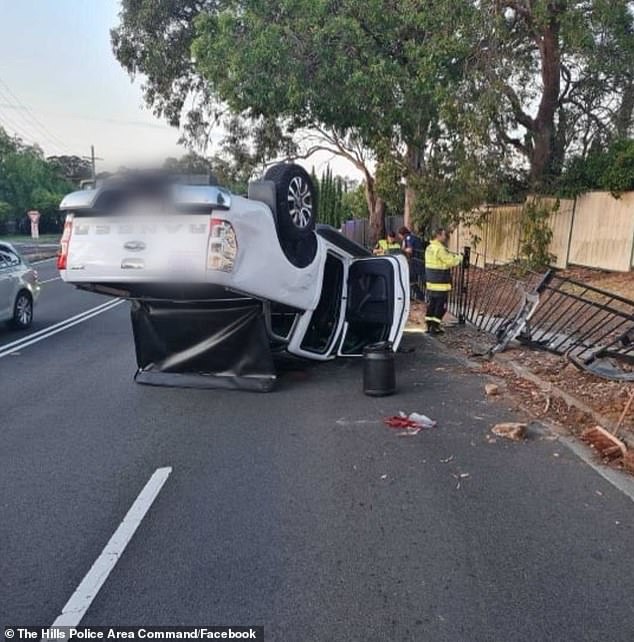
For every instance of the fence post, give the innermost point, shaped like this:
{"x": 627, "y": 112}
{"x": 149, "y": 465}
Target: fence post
{"x": 466, "y": 263}
{"x": 572, "y": 226}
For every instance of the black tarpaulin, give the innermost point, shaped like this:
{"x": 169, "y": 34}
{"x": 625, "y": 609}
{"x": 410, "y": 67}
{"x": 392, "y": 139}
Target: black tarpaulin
{"x": 203, "y": 345}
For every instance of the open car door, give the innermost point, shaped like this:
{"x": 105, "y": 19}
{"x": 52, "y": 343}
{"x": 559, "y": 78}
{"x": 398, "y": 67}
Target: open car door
{"x": 377, "y": 303}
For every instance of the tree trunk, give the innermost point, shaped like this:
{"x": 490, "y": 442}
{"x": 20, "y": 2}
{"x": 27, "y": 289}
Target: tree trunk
{"x": 376, "y": 210}
{"x": 544, "y": 124}
{"x": 410, "y": 202}
{"x": 625, "y": 113}
{"x": 415, "y": 167}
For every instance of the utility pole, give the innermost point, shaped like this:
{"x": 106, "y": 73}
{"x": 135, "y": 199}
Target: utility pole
{"x": 92, "y": 158}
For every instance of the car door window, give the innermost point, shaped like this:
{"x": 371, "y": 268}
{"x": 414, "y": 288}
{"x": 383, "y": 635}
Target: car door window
{"x": 374, "y": 306}
{"x": 370, "y": 305}
{"x": 6, "y": 288}
{"x": 8, "y": 260}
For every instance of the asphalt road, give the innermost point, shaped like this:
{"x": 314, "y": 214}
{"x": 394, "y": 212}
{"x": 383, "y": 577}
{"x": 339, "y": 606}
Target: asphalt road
{"x": 297, "y": 510}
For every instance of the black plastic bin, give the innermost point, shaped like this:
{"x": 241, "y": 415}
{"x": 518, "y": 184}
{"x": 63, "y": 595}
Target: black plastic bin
{"x": 379, "y": 373}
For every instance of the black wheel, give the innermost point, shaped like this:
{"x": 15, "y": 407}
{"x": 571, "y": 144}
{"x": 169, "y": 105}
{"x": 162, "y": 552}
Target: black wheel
{"x": 296, "y": 200}
{"x": 23, "y": 311}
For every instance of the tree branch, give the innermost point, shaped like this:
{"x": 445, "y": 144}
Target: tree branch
{"x": 520, "y": 115}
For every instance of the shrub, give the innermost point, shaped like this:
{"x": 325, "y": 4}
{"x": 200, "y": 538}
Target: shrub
{"x": 536, "y": 234}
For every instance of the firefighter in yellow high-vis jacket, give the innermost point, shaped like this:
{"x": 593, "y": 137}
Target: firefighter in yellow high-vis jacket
{"x": 438, "y": 263}
{"x": 388, "y": 245}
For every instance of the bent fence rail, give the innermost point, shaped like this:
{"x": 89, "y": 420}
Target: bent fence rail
{"x": 562, "y": 315}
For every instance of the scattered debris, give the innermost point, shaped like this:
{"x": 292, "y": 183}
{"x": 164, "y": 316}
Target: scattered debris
{"x": 547, "y": 406}
{"x": 605, "y": 443}
{"x": 598, "y": 401}
{"x": 492, "y": 389}
{"x": 625, "y": 410}
{"x": 400, "y": 422}
{"x": 603, "y": 367}
{"x": 460, "y": 477}
{"x": 446, "y": 461}
{"x": 411, "y": 422}
{"x": 510, "y": 430}
{"x": 383, "y": 476}
{"x": 422, "y": 420}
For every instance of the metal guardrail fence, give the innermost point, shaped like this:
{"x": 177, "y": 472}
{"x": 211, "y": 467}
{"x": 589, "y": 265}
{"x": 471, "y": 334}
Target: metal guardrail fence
{"x": 545, "y": 311}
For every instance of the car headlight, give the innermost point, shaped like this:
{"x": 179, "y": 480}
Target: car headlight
{"x": 223, "y": 246}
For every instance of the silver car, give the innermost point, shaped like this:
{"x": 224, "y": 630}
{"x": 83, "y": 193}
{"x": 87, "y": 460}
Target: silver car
{"x": 19, "y": 287}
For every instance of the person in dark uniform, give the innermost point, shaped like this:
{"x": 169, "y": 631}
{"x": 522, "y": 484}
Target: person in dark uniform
{"x": 438, "y": 264}
{"x": 412, "y": 246}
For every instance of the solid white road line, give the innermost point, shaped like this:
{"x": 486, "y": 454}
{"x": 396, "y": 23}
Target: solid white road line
{"x": 36, "y": 337}
{"x": 56, "y": 325}
{"x": 57, "y": 278}
{"x": 88, "y": 588}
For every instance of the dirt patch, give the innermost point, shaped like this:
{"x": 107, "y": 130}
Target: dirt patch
{"x": 621, "y": 283}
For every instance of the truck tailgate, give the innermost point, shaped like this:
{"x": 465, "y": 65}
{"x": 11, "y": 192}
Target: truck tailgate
{"x": 120, "y": 249}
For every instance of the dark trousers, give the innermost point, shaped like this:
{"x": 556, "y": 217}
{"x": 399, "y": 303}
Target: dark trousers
{"x": 416, "y": 279}
{"x": 436, "y": 307}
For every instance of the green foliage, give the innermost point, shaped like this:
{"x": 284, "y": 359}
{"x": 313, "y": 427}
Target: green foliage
{"x": 466, "y": 101}
{"x": 610, "y": 170}
{"x": 555, "y": 76}
{"x": 390, "y": 187}
{"x": 619, "y": 174}
{"x": 5, "y": 212}
{"x": 388, "y": 73}
{"x": 73, "y": 168}
{"x": 536, "y": 234}
{"x": 355, "y": 204}
{"x": 154, "y": 40}
{"x": 190, "y": 163}
{"x": 331, "y": 190}
{"x": 29, "y": 181}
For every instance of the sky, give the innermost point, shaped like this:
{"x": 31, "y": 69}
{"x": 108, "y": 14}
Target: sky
{"x": 61, "y": 86}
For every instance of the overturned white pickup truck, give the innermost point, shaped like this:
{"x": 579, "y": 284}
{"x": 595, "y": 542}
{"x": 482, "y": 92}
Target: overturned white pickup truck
{"x": 219, "y": 283}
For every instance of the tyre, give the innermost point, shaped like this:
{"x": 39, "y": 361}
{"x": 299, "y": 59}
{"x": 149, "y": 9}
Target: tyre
{"x": 22, "y": 311}
{"x": 296, "y": 201}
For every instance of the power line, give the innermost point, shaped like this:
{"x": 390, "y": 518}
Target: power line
{"x": 50, "y": 137}
{"x": 8, "y": 124}
{"x": 24, "y": 131}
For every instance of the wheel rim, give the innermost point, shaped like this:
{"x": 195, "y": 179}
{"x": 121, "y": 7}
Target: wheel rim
{"x": 23, "y": 310}
{"x": 300, "y": 202}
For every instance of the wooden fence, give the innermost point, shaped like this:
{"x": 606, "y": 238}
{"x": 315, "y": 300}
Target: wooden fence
{"x": 359, "y": 230}
{"x": 595, "y": 230}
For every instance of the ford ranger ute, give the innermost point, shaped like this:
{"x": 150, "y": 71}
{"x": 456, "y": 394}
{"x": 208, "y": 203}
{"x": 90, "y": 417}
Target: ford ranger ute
{"x": 220, "y": 283}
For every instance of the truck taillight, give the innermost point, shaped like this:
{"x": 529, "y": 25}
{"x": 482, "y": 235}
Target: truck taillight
{"x": 223, "y": 246}
{"x": 62, "y": 256}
